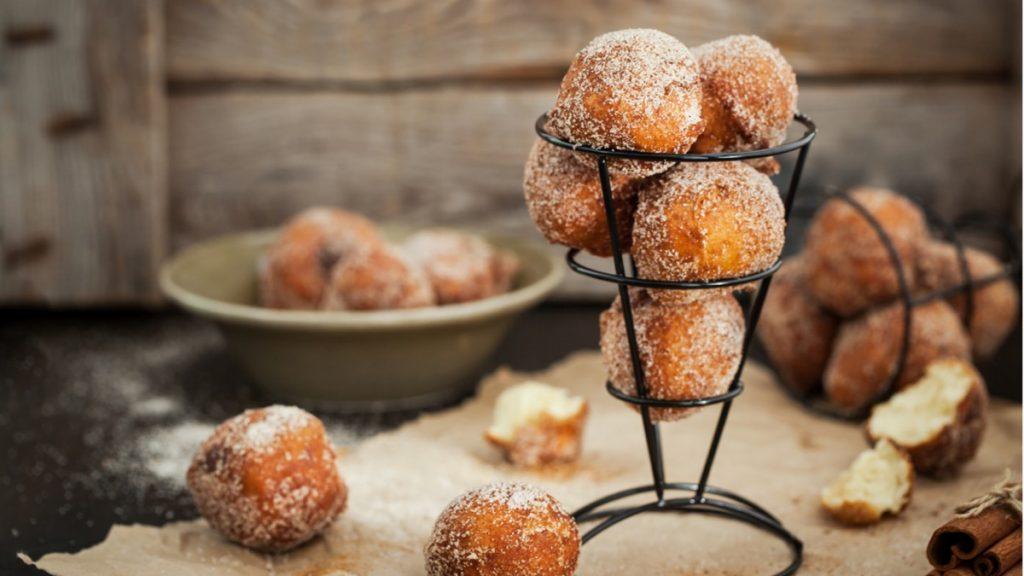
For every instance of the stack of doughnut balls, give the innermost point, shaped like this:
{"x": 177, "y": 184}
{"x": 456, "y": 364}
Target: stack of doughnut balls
{"x": 834, "y": 316}
{"x": 331, "y": 259}
{"x": 644, "y": 90}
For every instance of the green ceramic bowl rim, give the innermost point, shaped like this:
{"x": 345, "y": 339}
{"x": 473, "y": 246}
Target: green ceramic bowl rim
{"x": 341, "y": 321}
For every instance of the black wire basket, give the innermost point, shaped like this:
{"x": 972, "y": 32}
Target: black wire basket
{"x": 699, "y": 497}
{"x": 813, "y": 398}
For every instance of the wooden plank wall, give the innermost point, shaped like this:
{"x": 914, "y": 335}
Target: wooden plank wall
{"x": 83, "y": 175}
{"x": 422, "y": 112}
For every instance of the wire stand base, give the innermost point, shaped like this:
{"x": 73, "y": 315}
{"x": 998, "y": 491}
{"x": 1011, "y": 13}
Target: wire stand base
{"x": 721, "y": 503}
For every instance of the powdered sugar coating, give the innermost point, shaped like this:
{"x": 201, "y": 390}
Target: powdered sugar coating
{"x": 565, "y": 200}
{"x": 848, "y": 266}
{"x": 707, "y": 221}
{"x": 383, "y": 278}
{"x": 461, "y": 267}
{"x": 867, "y": 350}
{"x": 688, "y": 350}
{"x": 294, "y": 269}
{"x": 503, "y": 528}
{"x": 752, "y": 89}
{"x": 795, "y": 330}
{"x": 267, "y": 478}
{"x": 996, "y": 306}
{"x": 635, "y": 89}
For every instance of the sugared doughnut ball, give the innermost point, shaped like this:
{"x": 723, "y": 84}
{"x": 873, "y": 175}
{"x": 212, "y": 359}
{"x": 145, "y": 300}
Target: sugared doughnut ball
{"x": 996, "y": 306}
{"x": 384, "y": 278}
{"x": 564, "y": 197}
{"x": 461, "y": 267}
{"x": 268, "y": 479}
{"x": 867, "y": 350}
{"x": 295, "y": 268}
{"x": 750, "y": 96}
{"x": 503, "y": 529}
{"x": 707, "y": 222}
{"x": 634, "y": 89}
{"x": 848, "y": 267}
{"x": 688, "y": 350}
{"x": 795, "y": 330}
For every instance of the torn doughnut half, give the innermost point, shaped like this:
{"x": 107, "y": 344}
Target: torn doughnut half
{"x": 939, "y": 420}
{"x": 537, "y": 424}
{"x": 879, "y": 482}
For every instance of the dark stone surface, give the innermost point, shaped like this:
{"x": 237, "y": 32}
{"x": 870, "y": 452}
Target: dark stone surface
{"x": 71, "y": 385}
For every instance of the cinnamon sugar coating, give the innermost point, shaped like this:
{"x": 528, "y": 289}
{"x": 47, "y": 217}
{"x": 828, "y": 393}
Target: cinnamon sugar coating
{"x": 795, "y": 330}
{"x": 267, "y": 479}
{"x": 750, "y": 95}
{"x": 503, "y": 529}
{"x": 461, "y": 267}
{"x": 564, "y": 198}
{"x": 996, "y": 306}
{"x": 688, "y": 350}
{"x": 867, "y": 350}
{"x": 383, "y": 278}
{"x": 706, "y": 221}
{"x": 635, "y": 89}
{"x": 848, "y": 267}
{"x": 295, "y": 268}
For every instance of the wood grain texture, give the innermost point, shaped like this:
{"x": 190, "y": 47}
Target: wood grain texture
{"x": 410, "y": 40}
{"x": 82, "y": 151}
{"x": 455, "y": 155}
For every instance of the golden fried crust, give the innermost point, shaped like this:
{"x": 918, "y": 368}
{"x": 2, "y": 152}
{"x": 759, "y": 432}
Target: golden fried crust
{"x": 565, "y": 201}
{"x": 848, "y": 267}
{"x": 633, "y": 90}
{"x": 707, "y": 222}
{"x": 295, "y": 267}
{"x": 957, "y": 442}
{"x": 867, "y": 349}
{"x": 500, "y": 530}
{"x": 796, "y": 332}
{"x": 382, "y": 278}
{"x": 688, "y": 350}
{"x": 547, "y": 440}
{"x": 996, "y": 306}
{"x": 267, "y": 479}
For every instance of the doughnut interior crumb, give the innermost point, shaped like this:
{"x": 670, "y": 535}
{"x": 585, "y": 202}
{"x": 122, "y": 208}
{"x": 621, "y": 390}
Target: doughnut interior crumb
{"x": 919, "y": 413}
{"x": 528, "y": 402}
{"x": 878, "y": 482}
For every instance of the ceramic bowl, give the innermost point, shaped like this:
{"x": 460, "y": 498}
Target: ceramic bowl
{"x": 392, "y": 359}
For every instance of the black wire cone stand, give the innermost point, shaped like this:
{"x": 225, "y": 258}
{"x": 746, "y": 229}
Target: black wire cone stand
{"x": 699, "y": 497}
{"x": 813, "y": 399}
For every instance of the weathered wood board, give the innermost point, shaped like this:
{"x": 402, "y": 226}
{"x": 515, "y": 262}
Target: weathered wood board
{"x": 404, "y": 40}
{"x": 243, "y": 159}
{"x": 82, "y": 151}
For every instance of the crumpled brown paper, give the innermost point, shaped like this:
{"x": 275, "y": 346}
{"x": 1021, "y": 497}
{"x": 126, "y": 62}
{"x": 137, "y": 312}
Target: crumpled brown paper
{"x": 772, "y": 451}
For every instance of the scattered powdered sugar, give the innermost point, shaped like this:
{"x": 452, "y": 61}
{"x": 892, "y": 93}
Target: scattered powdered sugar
{"x": 167, "y": 452}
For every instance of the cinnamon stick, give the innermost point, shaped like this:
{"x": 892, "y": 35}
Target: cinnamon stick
{"x": 1013, "y": 571}
{"x": 965, "y": 538}
{"x": 961, "y": 570}
{"x": 1000, "y": 557}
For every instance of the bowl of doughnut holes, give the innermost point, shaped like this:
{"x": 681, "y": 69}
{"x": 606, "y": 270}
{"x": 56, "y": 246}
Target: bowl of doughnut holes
{"x": 644, "y": 90}
{"x": 833, "y": 321}
{"x": 268, "y": 479}
{"x": 333, "y": 309}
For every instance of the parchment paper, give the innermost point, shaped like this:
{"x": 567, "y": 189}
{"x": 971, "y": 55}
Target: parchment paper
{"x": 773, "y": 452}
